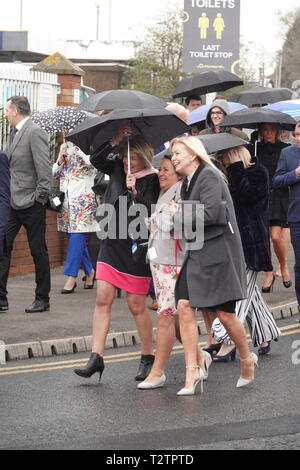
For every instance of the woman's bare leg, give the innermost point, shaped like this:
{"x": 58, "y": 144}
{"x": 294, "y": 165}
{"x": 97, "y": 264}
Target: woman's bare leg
{"x": 102, "y": 315}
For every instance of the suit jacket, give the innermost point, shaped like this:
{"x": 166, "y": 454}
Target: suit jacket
{"x": 4, "y": 196}
{"x": 30, "y": 166}
{"x": 285, "y": 177}
{"x": 216, "y": 273}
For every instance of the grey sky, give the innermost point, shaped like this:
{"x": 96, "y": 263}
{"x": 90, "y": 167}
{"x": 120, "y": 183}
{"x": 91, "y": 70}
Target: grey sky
{"x": 76, "y": 19}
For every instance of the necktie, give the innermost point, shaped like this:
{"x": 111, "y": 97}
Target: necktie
{"x": 184, "y": 188}
{"x": 12, "y": 134}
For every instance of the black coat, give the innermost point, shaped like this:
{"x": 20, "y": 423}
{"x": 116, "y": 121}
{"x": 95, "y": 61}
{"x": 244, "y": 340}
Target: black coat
{"x": 4, "y": 196}
{"x": 249, "y": 188}
{"x": 268, "y": 155}
{"x": 107, "y": 160}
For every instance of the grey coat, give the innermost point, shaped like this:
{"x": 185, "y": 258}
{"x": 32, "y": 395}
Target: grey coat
{"x": 30, "y": 166}
{"x": 162, "y": 238}
{"x": 216, "y": 274}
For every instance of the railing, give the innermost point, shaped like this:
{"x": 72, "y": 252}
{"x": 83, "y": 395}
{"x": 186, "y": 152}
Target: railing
{"x": 40, "y": 88}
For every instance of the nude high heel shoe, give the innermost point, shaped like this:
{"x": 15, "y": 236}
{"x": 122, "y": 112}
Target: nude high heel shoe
{"x": 192, "y": 391}
{"x": 244, "y": 382}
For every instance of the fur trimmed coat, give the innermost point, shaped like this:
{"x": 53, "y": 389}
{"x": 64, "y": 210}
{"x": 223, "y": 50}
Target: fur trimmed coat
{"x": 249, "y": 188}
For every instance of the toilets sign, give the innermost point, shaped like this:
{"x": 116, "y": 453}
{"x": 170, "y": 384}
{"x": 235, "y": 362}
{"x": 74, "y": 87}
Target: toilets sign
{"x": 211, "y": 35}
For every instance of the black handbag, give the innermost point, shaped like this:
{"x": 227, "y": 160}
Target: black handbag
{"x": 55, "y": 200}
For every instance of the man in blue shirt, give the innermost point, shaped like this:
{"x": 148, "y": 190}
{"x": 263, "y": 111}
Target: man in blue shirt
{"x": 288, "y": 175}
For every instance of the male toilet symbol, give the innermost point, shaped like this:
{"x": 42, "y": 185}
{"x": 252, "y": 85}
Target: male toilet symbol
{"x": 203, "y": 25}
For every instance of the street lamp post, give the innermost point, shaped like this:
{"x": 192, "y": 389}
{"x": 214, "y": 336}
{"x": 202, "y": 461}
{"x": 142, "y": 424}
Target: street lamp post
{"x": 21, "y": 14}
{"x": 98, "y": 15}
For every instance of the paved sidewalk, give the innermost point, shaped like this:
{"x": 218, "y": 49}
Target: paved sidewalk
{"x": 67, "y": 327}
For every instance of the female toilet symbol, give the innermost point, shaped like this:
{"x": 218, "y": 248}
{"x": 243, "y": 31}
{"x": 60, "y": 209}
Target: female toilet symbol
{"x": 219, "y": 26}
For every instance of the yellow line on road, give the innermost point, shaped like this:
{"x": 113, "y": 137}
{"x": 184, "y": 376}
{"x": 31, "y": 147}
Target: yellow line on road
{"x": 115, "y": 358}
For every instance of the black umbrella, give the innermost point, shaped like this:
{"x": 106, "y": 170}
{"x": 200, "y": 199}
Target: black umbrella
{"x": 261, "y": 95}
{"x": 121, "y": 99}
{"x": 213, "y": 143}
{"x": 207, "y": 82}
{"x": 157, "y": 125}
{"x": 251, "y": 119}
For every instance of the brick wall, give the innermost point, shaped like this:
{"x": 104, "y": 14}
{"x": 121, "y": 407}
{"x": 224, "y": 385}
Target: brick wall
{"x": 22, "y": 262}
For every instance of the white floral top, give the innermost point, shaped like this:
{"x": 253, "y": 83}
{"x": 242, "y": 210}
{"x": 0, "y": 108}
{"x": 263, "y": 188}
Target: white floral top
{"x": 76, "y": 176}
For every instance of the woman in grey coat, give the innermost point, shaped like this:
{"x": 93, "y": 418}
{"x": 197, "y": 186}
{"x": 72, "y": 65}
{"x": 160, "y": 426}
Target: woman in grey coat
{"x": 213, "y": 276}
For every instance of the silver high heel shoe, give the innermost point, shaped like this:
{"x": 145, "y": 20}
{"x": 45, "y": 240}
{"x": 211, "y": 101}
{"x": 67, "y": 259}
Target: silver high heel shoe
{"x": 192, "y": 391}
{"x": 153, "y": 385}
{"x": 244, "y": 382}
{"x": 207, "y": 363}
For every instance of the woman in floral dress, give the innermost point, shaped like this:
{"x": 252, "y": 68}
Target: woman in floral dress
{"x": 77, "y": 217}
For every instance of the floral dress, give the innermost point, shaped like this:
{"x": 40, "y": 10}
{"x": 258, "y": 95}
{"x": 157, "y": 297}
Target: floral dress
{"x": 76, "y": 176}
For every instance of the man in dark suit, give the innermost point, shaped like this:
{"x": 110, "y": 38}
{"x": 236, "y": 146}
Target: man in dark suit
{"x": 4, "y": 197}
{"x": 31, "y": 174}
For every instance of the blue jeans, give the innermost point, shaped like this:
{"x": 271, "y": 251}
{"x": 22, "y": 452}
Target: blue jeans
{"x": 295, "y": 236}
{"x": 77, "y": 255}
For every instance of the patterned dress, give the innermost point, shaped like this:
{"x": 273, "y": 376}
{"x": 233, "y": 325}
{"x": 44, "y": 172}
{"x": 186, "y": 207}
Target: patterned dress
{"x": 76, "y": 180}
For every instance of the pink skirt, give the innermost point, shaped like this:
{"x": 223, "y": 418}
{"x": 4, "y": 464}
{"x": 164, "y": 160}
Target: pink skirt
{"x": 127, "y": 282}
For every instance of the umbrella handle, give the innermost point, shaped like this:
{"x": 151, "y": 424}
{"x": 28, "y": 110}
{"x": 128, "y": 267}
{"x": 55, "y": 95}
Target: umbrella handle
{"x": 128, "y": 159}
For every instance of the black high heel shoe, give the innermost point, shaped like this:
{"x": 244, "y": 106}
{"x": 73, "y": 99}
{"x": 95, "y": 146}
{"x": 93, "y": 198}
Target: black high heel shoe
{"x": 213, "y": 348}
{"x": 269, "y": 289}
{"x": 95, "y": 364}
{"x": 69, "y": 291}
{"x": 287, "y": 284}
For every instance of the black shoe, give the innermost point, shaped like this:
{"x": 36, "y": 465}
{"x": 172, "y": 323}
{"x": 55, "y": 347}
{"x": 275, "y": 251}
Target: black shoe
{"x": 69, "y": 291}
{"x": 95, "y": 364}
{"x": 213, "y": 348}
{"x": 145, "y": 367}
{"x": 38, "y": 306}
{"x": 269, "y": 289}
{"x": 3, "y": 304}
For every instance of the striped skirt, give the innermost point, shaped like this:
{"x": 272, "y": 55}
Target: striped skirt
{"x": 255, "y": 311}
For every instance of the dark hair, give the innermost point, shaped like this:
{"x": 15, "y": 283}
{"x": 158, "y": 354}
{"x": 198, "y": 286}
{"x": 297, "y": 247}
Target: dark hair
{"x": 21, "y": 104}
{"x": 192, "y": 97}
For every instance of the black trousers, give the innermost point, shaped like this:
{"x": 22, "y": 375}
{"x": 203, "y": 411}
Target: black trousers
{"x": 34, "y": 221}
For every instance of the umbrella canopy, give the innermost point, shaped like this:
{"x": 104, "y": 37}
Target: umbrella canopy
{"x": 121, "y": 99}
{"x": 213, "y": 143}
{"x": 291, "y": 107}
{"x": 200, "y": 113}
{"x": 60, "y": 118}
{"x": 157, "y": 125}
{"x": 261, "y": 95}
{"x": 207, "y": 82}
{"x": 251, "y": 119}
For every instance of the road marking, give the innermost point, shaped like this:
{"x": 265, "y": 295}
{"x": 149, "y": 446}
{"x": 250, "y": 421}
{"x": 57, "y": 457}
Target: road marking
{"x": 111, "y": 359}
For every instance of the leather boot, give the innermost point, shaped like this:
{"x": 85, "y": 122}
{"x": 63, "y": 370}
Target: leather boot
{"x": 145, "y": 367}
{"x": 95, "y": 364}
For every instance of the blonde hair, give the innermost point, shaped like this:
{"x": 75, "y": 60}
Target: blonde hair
{"x": 242, "y": 153}
{"x": 196, "y": 147}
{"x": 141, "y": 147}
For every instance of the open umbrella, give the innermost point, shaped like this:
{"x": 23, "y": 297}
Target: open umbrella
{"x": 291, "y": 107}
{"x": 207, "y": 82}
{"x": 121, "y": 99}
{"x": 60, "y": 118}
{"x": 157, "y": 125}
{"x": 213, "y": 143}
{"x": 251, "y": 119}
{"x": 261, "y": 95}
{"x": 200, "y": 114}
